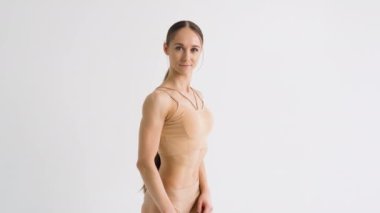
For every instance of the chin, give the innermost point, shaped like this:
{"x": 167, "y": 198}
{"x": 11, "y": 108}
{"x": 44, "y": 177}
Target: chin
{"x": 185, "y": 68}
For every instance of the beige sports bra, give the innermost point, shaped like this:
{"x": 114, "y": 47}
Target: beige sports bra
{"x": 187, "y": 129}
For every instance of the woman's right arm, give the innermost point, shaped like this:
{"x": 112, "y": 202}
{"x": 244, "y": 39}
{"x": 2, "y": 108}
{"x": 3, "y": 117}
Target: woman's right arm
{"x": 155, "y": 110}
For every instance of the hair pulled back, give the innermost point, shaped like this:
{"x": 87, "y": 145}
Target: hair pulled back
{"x": 176, "y": 27}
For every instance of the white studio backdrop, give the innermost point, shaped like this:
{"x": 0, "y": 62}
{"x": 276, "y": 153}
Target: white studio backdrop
{"x": 294, "y": 87}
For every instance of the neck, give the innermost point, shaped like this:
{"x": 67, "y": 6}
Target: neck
{"x": 179, "y": 82}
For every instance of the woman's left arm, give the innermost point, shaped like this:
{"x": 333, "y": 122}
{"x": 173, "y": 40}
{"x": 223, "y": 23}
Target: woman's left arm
{"x": 204, "y": 204}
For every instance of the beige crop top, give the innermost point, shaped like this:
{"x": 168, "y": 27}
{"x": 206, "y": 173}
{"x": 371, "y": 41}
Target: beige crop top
{"x": 187, "y": 129}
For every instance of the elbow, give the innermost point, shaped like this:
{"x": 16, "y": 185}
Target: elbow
{"x": 139, "y": 164}
{"x": 143, "y": 165}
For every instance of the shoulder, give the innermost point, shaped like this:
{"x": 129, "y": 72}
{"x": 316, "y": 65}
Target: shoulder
{"x": 157, "y": 102}
{"x": 157, "y": 98}
{"x": 198, "y": 92}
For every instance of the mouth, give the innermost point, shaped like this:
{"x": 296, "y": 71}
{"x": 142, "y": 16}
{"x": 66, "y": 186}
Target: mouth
{"x": 185, "y": 65}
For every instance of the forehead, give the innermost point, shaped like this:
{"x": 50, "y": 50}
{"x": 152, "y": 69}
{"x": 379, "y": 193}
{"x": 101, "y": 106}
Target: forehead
{"x": 187, "y": 36}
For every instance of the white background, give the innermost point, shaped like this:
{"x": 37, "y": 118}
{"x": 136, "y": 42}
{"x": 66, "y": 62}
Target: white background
{"x": 294, "y": 87}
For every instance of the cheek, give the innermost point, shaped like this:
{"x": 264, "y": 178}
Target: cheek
{"x": 175, "y": 54}
{"x": 196, "y": 57}
{"x": 173, "y": 57}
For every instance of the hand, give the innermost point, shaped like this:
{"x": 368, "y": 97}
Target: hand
{"x": 204, "y": 203}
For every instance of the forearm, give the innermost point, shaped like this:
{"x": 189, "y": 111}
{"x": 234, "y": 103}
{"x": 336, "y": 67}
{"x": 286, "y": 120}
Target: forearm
{"x": 203, "y": 184}
{"x": 154, "y": 185}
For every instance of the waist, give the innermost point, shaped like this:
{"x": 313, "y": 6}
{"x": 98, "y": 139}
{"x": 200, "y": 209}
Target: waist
{"x": 179, "y": 180}
{"x": 181, "y": 170}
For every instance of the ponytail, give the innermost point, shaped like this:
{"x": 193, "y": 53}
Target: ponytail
{"x": 166, "y": 75}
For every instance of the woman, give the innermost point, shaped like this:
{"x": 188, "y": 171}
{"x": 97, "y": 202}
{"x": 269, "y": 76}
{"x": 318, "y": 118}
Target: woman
{"x": 173, "y": 131}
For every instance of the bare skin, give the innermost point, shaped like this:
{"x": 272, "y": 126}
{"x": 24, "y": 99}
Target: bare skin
{"x": 187, "y": 167}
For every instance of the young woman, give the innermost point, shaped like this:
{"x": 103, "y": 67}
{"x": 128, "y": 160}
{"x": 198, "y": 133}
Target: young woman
{"x": 173, "y": 131}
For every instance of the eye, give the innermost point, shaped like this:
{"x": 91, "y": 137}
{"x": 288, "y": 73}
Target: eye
{"x": 178, "y": 48}
{"x": 194, "y": 50}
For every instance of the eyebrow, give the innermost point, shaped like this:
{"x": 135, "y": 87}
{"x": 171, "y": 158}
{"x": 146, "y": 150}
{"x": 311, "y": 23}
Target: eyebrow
{"x": 180, "y": 44}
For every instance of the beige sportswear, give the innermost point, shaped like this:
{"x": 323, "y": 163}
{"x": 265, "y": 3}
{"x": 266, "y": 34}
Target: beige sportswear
{"x": 183, "y": 145}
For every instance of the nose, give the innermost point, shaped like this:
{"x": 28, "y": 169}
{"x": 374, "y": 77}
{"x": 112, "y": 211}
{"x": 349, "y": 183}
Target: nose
{"x": 186, "y": 55}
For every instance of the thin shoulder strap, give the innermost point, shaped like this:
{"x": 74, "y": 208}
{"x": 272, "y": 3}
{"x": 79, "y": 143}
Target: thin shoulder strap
{"x": 171, "y": 96}
{"x": 168, "y": 93}
{"x": 196, "y": 92}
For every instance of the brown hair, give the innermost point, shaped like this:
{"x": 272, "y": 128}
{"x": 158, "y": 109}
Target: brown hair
{"x": 176, "y": 27}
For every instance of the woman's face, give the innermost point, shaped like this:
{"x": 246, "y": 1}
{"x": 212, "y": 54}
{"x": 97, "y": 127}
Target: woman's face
{"x": 184, "y": 51}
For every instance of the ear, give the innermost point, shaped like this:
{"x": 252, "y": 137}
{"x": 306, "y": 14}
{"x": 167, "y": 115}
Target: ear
{"x": 166, "y": 48}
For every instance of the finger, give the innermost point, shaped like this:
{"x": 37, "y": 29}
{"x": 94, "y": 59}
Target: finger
{"x": 208, "y": 209}
{"x": 199, "y": 206}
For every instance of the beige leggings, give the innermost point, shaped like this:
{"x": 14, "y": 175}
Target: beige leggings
{"x": 183, "y": 199}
